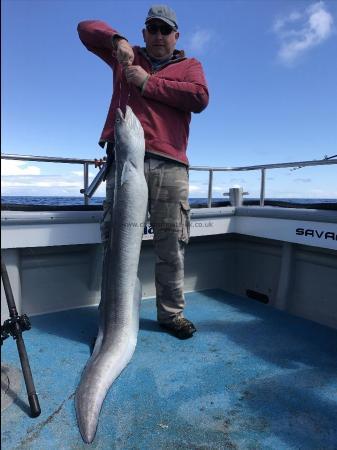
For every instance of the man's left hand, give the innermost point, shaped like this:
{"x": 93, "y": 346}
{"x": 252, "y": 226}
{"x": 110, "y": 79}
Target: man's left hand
{"x": 135, "y": 75}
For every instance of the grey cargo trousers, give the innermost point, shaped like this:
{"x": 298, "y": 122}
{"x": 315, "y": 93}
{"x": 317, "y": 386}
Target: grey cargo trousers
{"x": 170, "y": 220}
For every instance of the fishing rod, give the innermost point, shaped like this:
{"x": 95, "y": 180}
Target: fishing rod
{"x": 15, "y": 326}
{"x": 326, "y": 157}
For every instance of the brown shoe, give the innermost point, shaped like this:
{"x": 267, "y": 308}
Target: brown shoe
{"x": 179, "y": 327}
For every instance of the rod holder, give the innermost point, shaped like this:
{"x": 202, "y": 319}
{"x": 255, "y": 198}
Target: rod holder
{"x": 236, "y": 195}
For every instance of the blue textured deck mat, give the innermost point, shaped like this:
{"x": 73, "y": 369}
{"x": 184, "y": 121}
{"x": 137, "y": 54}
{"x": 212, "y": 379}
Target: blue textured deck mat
{"x": 252, "y": 377}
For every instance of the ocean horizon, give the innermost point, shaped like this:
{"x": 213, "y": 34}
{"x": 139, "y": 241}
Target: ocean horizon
{"x": 79, "y": 200}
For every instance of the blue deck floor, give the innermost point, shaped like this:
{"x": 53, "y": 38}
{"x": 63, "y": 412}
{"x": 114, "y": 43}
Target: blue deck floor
{"x": 251, "y": 378}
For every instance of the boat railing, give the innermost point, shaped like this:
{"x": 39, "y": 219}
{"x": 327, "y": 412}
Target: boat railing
{"x": 88, "y": 191}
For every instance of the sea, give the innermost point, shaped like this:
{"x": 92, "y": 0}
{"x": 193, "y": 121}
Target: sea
{"x": 194, "y": 201}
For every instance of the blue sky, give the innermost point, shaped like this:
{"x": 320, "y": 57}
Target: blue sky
{"x": 271, "y": 68}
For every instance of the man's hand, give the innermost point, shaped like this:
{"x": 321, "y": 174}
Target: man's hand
{"x": 136, "y": 75}
{"x": 124, "y": 52}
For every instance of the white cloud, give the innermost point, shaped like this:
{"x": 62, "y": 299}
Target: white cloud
{"x": 201, "y": 190}
{"x": 18, "y": 178}
{"x": 40, "y": 183}
{"x": 218, "y": 189}
{"x": 302, "y": 180}
{"x": 45, "y": 185}
{"x": 197, "y": 189}
{"x": 17, "y": 168}
{"x": 281, "y": 22}
{"x": 199, "y": 40}
{"x": 79, "y": 173}
{"x": 237, "y": 181}
{"x": 302, "y": 30}
{"x": 323, "y": 193}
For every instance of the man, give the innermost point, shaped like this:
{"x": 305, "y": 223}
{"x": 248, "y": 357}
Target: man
{"x": 163, "y": 88}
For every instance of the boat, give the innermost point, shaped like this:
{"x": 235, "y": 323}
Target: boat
{"x": 261, "y": 288}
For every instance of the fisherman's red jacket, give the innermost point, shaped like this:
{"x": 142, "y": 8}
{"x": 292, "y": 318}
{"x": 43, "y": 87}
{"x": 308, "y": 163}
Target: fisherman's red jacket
{"x": 165, "y": 104}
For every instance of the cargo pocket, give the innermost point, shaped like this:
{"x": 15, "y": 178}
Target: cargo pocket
{"x": 185, "y": 221}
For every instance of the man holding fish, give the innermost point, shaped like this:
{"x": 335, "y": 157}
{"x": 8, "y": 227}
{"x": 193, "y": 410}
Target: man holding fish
{"x": 163, "y": 87}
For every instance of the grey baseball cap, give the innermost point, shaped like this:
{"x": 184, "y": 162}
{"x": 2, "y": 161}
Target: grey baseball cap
{"x": 164, "y": 13}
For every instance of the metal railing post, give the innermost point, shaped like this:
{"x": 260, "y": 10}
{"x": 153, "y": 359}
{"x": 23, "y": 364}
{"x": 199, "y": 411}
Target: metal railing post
{"x": 86, "y": 181}
{"x": 263, "y": 185}
{"x": 210, "y": 188}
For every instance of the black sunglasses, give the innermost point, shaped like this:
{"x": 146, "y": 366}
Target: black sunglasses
{"x": 165, "y": 30}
